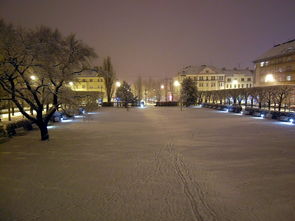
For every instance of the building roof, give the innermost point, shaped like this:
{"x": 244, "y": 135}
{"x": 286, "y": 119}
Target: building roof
{"x": 87, "y": 74}
{"x": 196, "y": 70}
{"x": 279, "y": 50}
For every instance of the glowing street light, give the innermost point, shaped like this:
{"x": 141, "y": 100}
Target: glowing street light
{"x": 71, "y": 83}
{"x": 118, "y": 84}
{"x": 33, "y": 77}
{"x": 162, "y": 86}
{"x": 176, "y": 83}
{"x": 269, "y": 78}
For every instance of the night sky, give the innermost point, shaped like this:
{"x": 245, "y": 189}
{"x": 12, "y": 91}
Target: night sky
{"x": 159, "y": 37}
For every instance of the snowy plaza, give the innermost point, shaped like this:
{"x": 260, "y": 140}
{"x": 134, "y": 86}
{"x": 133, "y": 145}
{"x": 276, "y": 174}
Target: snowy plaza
{"x": 151, "y": 164}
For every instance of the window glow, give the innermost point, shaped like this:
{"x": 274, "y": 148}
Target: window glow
{"x": 269, "y": 78}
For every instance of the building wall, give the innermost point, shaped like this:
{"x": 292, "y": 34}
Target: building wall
{"x": 275, "y": 71}
{"x": 239, "y": 81}
{"x": 209, "y": 80}
{"x": 84, "y": 83}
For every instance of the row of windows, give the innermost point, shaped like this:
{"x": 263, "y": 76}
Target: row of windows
{"x": 211, "y": 85}
{"x": 276, "y": 61}
{"x": 207, "y": 78}
{"x": 91, "y": 80}
{"x": 238, "y": 86}
{"x": 242, "y": 79}
{"x": 90, "y": 87}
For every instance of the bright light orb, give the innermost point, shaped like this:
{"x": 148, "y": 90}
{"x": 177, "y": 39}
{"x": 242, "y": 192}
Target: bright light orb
{"x": 176, "y": 83}
{"x": 269, "y": 78}
{"x": 33, "y": 77}
{"x": 118, "y": 83}
{"x": 162, "y": 86}
{"x": 71, "y": 83}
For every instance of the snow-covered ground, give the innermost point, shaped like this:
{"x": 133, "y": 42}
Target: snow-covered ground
{"x": 152, "y": 164}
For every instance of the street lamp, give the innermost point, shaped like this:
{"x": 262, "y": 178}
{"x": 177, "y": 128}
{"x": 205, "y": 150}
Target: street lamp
{"x": 269, "y": 78}
{"x": 176, "y": 83}
{"x": 118, "y": 84}
{"x": 162, "y": 86}
{"x": 71, "y": 83}
{"x": 33, "y": 77}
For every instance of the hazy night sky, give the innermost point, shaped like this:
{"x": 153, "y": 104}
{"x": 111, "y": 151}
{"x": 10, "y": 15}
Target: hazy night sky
{"x": 158, "y": 37}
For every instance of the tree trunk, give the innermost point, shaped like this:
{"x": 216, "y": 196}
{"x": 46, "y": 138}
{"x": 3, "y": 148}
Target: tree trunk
{"x": 31, "y": 111}
{"x": 9, "y": 111}
{"x": 260, "y": 105}
{"x": 280, "y": 106}
{"x": 12, "y": 109}
{"x": 47, "y": 108}
{"x": 43, "y": 131}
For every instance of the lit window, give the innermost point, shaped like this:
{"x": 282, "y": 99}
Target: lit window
{"x": 289, "y": 78}
{"x": 262, "y": 64}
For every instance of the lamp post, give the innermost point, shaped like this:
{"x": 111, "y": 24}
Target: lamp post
{"x": 162, "y": 88}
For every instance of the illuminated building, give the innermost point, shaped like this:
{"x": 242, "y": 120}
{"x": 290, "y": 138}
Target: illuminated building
{"x": 209, "y": 78}
{"x": 277, "y": 65}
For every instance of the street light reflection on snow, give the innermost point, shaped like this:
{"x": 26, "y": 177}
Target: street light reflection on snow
{"x": 66, "y": 121}
{"x": 51, "y": 127}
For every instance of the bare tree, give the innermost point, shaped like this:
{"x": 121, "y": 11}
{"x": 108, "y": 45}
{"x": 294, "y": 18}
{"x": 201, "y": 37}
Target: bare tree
{"x": 35, "y": 65}
{"x": 109, "y": 76}
{"x": 281, "y": 93}
{"x": 138, "y": 88}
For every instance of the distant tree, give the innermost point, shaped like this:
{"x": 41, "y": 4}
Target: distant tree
{"x": 138, "y": 88}
{"x": 188, "y": 92}
{"x": 124, "y": 93}
{"x": 281, "y": 93}
{"x": 109, "y": 75}
{"x": 35, "y": 66}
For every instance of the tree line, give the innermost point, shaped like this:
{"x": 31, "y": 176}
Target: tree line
{"x": 264, "y": 97}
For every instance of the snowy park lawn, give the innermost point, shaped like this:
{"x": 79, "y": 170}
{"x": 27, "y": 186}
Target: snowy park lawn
{"x": 153, "y": 164}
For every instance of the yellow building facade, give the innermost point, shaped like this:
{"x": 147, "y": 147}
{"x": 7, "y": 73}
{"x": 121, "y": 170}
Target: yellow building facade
{"x": 209, "y": 78}
{"x": 89, "y": 82}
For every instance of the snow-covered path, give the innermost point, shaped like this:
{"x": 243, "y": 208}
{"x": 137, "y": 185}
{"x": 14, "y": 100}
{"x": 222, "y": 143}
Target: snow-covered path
{"x": 153, "y": 164}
